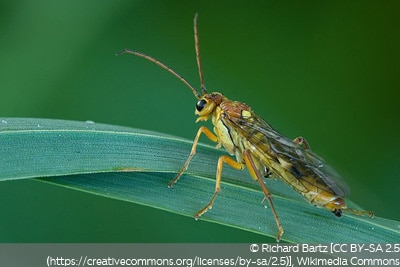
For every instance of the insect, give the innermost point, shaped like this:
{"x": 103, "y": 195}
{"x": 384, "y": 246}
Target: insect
{"x": 257, "y": 146}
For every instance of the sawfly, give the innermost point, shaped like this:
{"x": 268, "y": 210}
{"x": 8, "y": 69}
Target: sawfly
{"x": 259, "y": 147}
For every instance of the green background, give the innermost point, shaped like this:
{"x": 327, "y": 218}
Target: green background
{"x": 325, "y": 70}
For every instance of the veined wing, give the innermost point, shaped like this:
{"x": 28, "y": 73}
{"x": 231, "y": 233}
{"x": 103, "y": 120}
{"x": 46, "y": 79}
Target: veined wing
{"x": 303, "y": 162}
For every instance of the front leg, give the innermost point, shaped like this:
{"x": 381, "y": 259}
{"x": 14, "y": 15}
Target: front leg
{"x": 210, "y": 136}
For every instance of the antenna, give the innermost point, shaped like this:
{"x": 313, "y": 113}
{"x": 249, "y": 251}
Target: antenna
{"x": 198, "y": 58}
{"x": 162, "y": 65}
{"x": 155, "y": 61}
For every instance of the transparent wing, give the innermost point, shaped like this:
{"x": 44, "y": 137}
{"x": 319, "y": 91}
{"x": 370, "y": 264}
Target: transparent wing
{"x": 304, "y": 163}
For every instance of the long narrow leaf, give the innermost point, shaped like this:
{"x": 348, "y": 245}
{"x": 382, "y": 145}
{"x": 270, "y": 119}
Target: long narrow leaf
{"x": 135, "y": 166}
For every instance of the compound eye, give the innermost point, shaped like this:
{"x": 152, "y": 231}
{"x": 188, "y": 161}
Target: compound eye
{"x": 201, "y": 104}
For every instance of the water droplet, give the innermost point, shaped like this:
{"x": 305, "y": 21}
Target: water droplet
{"x": 89, "y": 121}
{"x": 4, "y": 121}
{"x": 39, "y": 126}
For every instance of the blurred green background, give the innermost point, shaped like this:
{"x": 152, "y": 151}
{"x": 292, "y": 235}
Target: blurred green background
{"x": 326, "y": 70}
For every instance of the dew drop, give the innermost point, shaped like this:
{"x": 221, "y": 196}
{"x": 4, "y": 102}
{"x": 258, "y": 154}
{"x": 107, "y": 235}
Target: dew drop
{"x": 4, "y": 121}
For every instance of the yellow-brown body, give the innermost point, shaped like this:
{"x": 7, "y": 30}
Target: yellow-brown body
{"x": 239, "y": 129}
{"x": 257, "y": 146}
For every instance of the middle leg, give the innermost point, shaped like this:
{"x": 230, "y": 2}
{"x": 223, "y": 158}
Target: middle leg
{"x": 221, "y": 160}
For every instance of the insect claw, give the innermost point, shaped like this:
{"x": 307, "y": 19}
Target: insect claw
{"x": 360, "y": 212}
{"x": 173, "y": 181}
{"x": 262, "y": 201}
{"x": 201, "y": 212}
{"x": 279, "y": 235}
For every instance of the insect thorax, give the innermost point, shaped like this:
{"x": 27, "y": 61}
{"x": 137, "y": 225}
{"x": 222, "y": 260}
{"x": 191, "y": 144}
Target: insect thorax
{"x": 227, "y": 134}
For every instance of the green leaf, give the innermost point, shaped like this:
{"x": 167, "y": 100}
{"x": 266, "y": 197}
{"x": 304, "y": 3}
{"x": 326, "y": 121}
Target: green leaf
{"x": 135, "y": 166}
